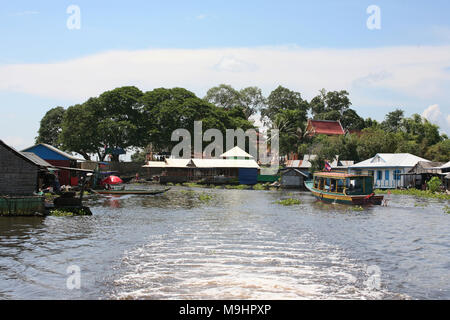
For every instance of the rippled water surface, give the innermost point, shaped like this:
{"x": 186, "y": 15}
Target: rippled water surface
{"x": 230, "y": 244}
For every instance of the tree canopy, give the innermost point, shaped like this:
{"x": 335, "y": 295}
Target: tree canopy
{"x": 51, "y": 127}
{"x": 126, "y": 118}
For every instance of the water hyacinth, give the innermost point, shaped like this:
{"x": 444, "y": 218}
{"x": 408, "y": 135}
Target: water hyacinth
{"x": 289, "y": 202}
{"x": 415, "y": 192}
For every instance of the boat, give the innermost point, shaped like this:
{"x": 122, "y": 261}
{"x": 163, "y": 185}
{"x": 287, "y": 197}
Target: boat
{"x": 344, "y": 188}
{"x": 132, "y": 192}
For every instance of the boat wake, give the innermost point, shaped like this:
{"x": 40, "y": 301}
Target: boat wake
{"x": 195, "y": 264}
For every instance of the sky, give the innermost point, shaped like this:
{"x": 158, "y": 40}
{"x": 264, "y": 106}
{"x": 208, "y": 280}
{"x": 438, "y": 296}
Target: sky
{"x": 52, "y": 55}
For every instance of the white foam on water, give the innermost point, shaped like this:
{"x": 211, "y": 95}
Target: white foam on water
{"x": 257, "y": 265}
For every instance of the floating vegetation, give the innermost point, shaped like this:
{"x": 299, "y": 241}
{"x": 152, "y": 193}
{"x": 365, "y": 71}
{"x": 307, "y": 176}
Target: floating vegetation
{"x": 417, "y": 193}
{"x": 420, "y": 204}
{"x": 447, "y": 209}
{"x": 238, "y": 187}
{"x": 289, "y": 202}
{"x": 69, "y": 213}
{"x": 205, "y": 197}
{"x": 357, "y": 208}
{"x": 260, "y": 186}
{"x": 192, "y": 185}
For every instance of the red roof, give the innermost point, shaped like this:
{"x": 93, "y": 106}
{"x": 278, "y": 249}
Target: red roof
{"x": 338, "y": 174}
{"x": 328, "y": 127}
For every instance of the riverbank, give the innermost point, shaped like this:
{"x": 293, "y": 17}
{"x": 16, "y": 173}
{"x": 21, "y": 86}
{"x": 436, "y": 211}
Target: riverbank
{"x": 258, "y": 186}
{"x": 416, "y": 193}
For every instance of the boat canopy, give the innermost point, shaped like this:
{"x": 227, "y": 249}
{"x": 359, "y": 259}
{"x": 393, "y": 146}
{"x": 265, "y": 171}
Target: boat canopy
{"x": 338, "y": 175}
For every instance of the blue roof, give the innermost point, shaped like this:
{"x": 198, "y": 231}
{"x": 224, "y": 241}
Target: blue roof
{"x": 48, "y": 152}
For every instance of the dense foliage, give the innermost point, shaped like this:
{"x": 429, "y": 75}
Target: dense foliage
{"x": 127, "y": 118}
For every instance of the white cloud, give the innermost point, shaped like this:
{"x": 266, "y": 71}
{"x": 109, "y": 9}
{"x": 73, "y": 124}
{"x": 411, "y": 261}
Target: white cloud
{"x": 231, "y": 64}
{"x": 418, "y": 72}
{"x": 434, "y": 114}
{"x": 201, "y": 16}
{"x": 25, "y": 13}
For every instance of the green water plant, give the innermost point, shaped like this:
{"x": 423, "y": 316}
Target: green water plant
{"x": 68, "y": 213}
{"x": 447, "y": 209}
{"x": 357, "y": 208}
{"x": 289, "y": 202}
{"x": 205, "y": 197}
{"x": 238, "y": 187}
{"x": 260, "y": 186}
{"x": 434, "y": 184}
{"x": 416, "y": 193}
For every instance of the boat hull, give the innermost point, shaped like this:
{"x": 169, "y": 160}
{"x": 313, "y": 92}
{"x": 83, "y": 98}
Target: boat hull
{"x": 343, "y": 199}
{"x": 132, "y": 192}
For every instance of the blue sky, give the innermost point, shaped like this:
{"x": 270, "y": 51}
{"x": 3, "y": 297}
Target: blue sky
{"x": 151, "y": 43}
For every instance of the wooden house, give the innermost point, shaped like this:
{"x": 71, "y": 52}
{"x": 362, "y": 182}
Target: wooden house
{"x": 235, "y": 164}
{"x": 58, "y": 159}
{"x": 422, "y": 172}
{"x": 388, "y": 169}
{"x": 19, "y": 171}
{"x": 292, "y": 178}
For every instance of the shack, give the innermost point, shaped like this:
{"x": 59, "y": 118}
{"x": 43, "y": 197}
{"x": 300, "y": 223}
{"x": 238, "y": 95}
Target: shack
{"x": 20, "y": 176}
{"x": 57, "y": 158}
{"x": 422, "y": 172}
{"x": 292, "y": 178}
{"x": 236, "y": 166}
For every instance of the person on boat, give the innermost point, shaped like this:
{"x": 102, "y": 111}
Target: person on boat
{"x": 56, "y": 185}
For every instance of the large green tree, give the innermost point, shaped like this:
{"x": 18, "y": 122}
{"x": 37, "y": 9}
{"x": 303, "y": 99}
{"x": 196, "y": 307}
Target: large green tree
{"x": 51, "y": 127}
{"x": 109, "y": 122}
{"x": 250, "y": 99}
{"x": 393, "y": 121}
{"x": 286, "y": 111}
{"x": 335, "y": 105}
{"x": 79, "y": 132}
{"x": 165, "y": 110}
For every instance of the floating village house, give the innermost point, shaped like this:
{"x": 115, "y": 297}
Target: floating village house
{"x": 293, "y": 178}
{"x": 388, "y": 169}
{"x": 21, "y": 175}
{"x": 20, "y": 171}
{"x": 305, "y": 165}
{"x": 235, "y": 165}
{"x": 445, "y": 171}
{"x": 58, "y": 159}
{"x": 422, "y": 172}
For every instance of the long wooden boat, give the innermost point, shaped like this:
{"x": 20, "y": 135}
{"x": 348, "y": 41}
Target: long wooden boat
{"x": 337, "y": 187}
{"x": 135, "y": 192}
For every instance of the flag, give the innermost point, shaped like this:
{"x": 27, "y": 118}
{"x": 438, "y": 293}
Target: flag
{"x": 327, "y": 166}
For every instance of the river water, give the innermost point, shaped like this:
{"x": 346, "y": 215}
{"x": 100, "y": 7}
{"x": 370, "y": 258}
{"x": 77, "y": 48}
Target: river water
{"x": 229, "y": 244}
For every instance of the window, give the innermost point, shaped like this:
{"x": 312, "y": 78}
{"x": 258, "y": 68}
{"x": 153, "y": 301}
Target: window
{"x": 379, "y": 175}
{"x": 386, "y": 175}
{"x": 397, "y": 174}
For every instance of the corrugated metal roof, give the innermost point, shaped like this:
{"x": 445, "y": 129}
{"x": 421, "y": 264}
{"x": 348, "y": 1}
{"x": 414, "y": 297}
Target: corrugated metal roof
{"x": 224, "y": 163}
{"x": 236, "y": 152}
{"x": 202, "y": 163}
{"x": 382, "y": 160}
{"x": 36, "y": 162}
{"x": 36, "y": 159}
{"x": 155, "y": 164}
{"x": 52, "y": 148}
{"x": 445, "y": 166}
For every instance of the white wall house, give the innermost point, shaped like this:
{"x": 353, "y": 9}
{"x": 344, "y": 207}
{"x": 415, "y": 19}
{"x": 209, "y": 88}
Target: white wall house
{"x": 387, "y": 169}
